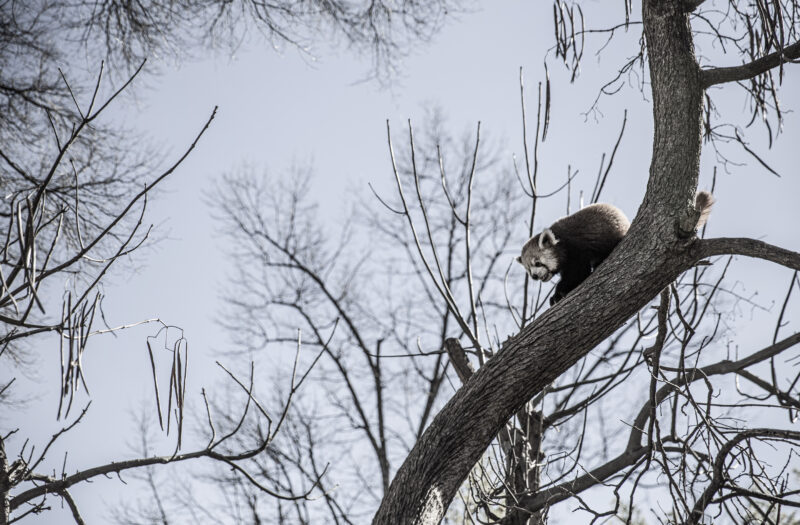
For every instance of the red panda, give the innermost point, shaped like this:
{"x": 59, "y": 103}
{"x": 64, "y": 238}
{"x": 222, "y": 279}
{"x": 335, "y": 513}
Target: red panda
{"x": 575, "y": 245}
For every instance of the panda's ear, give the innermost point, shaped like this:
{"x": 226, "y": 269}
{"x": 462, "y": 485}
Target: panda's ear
{"x": 546, "y": 238}
{"x": 518, "y": 258}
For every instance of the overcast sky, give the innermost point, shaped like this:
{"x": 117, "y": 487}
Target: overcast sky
{"x": 279, "y": 109}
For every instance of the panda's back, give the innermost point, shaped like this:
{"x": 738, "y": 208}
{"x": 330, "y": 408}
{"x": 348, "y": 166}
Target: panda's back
{"x": 594, "y": 230}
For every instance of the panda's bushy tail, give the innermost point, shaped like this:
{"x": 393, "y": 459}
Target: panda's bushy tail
{"x": 703, "y": 202}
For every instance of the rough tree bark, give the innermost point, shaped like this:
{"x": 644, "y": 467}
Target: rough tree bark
{"x": 5, "y": 485}
{"x": 658, "y": 248}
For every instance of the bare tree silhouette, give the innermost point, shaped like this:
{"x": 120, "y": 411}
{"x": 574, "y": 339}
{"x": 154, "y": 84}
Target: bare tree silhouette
{"x": 75, "y": 192}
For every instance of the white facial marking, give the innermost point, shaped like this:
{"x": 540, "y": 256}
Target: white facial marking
{"x": 542, "y": 265}
{"x": 539, "y": 256}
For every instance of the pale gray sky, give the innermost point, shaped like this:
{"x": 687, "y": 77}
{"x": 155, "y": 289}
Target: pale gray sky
{"x": 280, "y": 109}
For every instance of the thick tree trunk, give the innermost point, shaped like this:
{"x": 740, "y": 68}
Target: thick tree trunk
{"x": 655, "y": 252}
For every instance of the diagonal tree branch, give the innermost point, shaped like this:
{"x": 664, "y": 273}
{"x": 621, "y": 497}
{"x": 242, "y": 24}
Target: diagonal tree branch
{"x": 720, "y": 75}
{"x": 73, "y": 507}
{"x": 749, "y": 248}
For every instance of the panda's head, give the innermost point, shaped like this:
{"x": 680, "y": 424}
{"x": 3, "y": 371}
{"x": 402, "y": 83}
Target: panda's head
{"x": 539, "y": 256}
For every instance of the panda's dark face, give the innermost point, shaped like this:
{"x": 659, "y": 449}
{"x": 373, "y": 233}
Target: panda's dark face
{"x": 539, "y": 257}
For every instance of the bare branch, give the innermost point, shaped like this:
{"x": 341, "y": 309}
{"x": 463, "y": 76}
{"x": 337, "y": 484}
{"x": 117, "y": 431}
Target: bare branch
{"x": 752, "y": 69}
{"x": 749, "y": 248}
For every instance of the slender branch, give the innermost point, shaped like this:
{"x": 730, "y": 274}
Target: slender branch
{"x": 58, "y": 486}
{"x": 720, "y": 75}
{"x": 749, "y": 248}
{"x": 719, "y": 471}
{"x": 468, "y": 256}
{"x": 635, "y": 451}
{"x": 690, "y": 375}
{"x": 73, "y": 507}
{"x": 566, "y": 490}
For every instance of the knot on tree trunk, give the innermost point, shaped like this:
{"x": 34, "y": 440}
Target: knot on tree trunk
{"x": 686, "y": 225}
